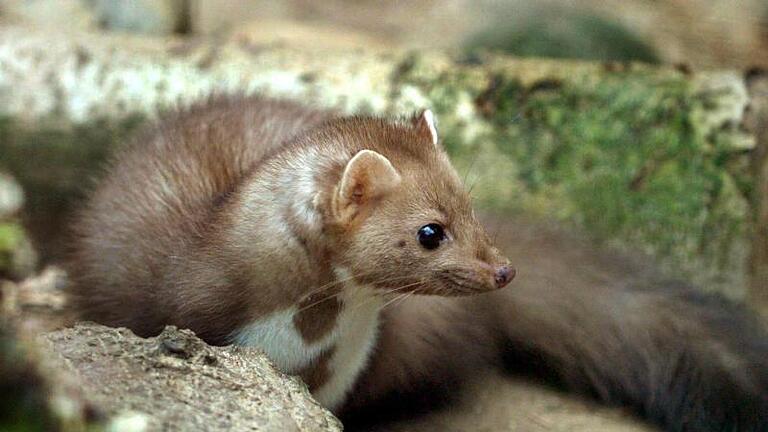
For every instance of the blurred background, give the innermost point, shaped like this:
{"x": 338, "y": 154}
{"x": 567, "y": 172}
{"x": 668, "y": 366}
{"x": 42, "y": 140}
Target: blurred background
{"x": 585, "y": 128}
{"x": 635, "y": 183}
{"x": 696, "y": 33}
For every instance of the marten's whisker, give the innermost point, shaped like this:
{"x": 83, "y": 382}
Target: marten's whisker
{"x": 337, "y": 294}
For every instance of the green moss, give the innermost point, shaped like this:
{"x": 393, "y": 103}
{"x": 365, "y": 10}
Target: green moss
{"x": 11, "y": 235}
{"x": 556, "y": 33}
{"x": 620, "y": 154}
{"x": 629, "y": 165}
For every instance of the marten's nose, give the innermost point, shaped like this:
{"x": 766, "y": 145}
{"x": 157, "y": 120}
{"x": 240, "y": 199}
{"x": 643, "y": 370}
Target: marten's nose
{"x": 504, "y": 275}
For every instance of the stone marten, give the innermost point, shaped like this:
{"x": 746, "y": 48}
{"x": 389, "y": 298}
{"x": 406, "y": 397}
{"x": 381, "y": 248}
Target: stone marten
{"x": 301, "y": 232}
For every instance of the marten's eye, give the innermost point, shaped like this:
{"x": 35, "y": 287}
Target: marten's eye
{"x": 431, "y": 235}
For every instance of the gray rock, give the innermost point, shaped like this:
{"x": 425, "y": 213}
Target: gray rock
{"x": 176, "y": 382}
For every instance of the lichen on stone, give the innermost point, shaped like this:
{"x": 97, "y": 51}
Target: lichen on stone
{"x": 641, "y": 156}
{"x": 635, "y": 156}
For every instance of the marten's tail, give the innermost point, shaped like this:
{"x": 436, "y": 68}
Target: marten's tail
{"x": 588, "y": 322}
{"x": 681, "y": 359}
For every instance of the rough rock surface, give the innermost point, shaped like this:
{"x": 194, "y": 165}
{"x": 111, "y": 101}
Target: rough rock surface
{"x": 176, "y": 382}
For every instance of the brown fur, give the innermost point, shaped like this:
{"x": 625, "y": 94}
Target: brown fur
{"x": 153, "y": 246}
{"x": 173, "y": 234}
{"x": 196, "y": 226}
{"x": 318, "y": 372}
{"x": 317, "y": 315}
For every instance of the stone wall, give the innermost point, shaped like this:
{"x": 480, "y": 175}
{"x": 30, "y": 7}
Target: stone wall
{"x": 653, "y": 159}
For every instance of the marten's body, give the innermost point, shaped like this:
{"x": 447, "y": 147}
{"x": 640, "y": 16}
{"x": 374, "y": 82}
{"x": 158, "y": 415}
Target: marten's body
{"x": 267, "y": 224}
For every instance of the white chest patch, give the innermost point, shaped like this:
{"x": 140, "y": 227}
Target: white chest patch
{"x": 276, "y": 335}
{"x": 357, "y": 327}
{"x": 353, "y": 337}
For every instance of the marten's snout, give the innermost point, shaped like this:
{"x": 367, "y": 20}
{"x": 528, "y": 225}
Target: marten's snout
{"x": 504, "y": 275}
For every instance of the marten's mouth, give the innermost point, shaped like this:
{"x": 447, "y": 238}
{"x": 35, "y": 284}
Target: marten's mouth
{"x": 463, "y": 284}
{"x": 456, "y": 282}
{"x": 484, "y": 278}
{"x": 466, "y": 283}
{"x": 442, "y": 286}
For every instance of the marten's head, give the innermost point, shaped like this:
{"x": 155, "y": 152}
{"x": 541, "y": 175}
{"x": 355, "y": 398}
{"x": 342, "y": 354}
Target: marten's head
{"x": 401, "y": 218}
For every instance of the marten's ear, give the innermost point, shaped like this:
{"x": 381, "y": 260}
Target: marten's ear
{"x": 424, "y": 122}
{"x": 367, "y": 177}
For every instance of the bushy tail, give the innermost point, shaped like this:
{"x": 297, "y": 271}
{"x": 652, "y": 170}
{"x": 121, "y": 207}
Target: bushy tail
{"x": 681, "y": 359}
{"x": 587, "y": 321}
